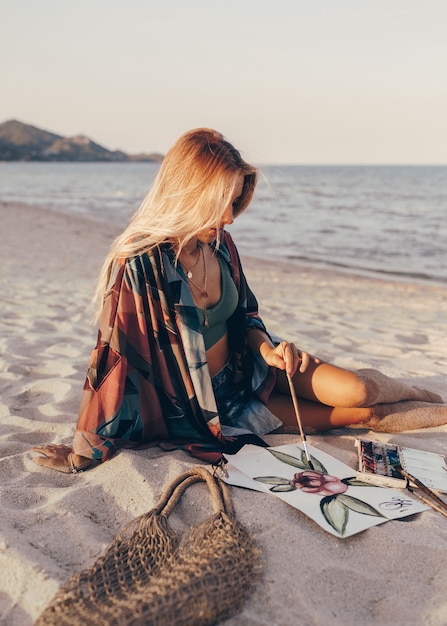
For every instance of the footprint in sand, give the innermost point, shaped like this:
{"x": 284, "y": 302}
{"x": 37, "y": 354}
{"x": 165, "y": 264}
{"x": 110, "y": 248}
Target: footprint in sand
{"x": 63, "y": 349}
{"x": 43, "y": 393}
{"x": 64, "y": 369}
{"x": 415, "y": 338}
{"x": 20, "y": 499}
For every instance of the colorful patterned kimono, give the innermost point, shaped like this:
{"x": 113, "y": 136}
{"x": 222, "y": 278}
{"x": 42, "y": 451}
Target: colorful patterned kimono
{"x": 148, "y": 379}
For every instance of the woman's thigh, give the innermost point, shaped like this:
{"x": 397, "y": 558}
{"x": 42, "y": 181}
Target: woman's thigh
{"x": 326, "y": 384}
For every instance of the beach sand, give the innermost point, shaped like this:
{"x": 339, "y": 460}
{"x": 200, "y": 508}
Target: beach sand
{"x": 54, "y": 524}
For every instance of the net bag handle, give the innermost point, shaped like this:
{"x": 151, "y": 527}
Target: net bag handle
{"x": 220, "y": 494}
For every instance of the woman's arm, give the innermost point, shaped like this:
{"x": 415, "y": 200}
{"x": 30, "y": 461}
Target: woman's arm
{"x": 285, "y": 355}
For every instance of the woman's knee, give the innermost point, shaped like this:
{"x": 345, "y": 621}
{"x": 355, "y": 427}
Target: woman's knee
{"x": 335, "y": 386}
{"x": 362, "y": 391}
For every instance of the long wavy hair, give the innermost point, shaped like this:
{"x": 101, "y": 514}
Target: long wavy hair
{"x": 194, "y": 185}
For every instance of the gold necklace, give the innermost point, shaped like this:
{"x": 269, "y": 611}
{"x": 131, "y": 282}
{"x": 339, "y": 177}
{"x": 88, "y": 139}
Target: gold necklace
{"x": 189, "y": 269}
{"x": 203, "y": 290}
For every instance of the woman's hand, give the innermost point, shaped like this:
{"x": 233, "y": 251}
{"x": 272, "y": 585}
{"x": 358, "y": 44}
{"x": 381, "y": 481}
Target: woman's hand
{"x": 60, "y": 458}
{"x": 286, "y": 356}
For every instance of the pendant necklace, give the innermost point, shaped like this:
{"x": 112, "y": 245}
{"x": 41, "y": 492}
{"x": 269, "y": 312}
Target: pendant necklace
{"x": 189, "y": 269}
{"x": 203, "y": 290}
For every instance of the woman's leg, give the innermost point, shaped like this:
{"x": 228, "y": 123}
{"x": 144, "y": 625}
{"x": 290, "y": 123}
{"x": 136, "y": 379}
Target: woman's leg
{"x": 329, "y": 397}
{"x": 332, "y": 397}
{"x": 387, "y": 418}
{"x": 315, "y": 416}
{"x": 335, "y": 386}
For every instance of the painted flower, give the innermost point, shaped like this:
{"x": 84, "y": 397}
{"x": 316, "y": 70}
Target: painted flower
{"x": 314, "y": 482}
{"x": 335, "y": 504}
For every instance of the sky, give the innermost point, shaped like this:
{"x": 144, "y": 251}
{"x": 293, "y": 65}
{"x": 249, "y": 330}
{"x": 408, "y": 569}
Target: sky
{"x": 286, "y": 81}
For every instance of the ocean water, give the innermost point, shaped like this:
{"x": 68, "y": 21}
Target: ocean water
{"x": 385, "y": 220}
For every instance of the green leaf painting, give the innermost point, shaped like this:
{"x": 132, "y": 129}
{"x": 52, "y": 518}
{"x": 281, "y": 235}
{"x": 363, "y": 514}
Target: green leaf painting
{"x": 299, "y": 463}
{"x": 289, "y": 487}
{"x": 359, "y": 506}
{"x": 356, "y": 482}
{"x": 335, "y": 507}
{"x": 273, "y": 480}
{"x": 279, "y": 484}
{"x": 335, "y": 513}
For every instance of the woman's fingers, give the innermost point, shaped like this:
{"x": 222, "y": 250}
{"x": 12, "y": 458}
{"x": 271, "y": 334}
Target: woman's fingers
{"x": 305, "y": 360}
{"x": 55, "y": 456}
{"x": 286, "y": 356}
{"x": 294, "y": 359}
{"x": 55, "y": 464}
{"x": 52, "y": 449}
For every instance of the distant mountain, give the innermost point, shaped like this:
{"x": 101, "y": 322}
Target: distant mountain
{"x": 23, "y": 142}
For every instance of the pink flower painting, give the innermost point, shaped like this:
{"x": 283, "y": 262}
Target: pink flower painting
{"x": 335, "y": 503}
{"x": 314, "y": 482}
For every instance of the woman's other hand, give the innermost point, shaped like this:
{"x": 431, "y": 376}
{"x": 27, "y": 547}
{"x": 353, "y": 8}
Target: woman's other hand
{"x": 60, "y": 458}
{"x": 55, "y": 456}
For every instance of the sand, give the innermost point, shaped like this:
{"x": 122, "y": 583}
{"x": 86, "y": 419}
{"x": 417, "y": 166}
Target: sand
{"x": 53, "y": 524}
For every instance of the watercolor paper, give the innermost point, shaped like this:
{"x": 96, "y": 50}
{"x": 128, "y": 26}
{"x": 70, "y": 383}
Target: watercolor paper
{"x": 331, "y": 494}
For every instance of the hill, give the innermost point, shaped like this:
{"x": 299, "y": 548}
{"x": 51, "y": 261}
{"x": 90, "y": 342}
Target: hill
{"x": 23, "y": 142}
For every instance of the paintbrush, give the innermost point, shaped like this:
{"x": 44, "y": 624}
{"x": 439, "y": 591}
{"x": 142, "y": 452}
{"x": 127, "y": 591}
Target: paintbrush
{"x": 427, "y": 501}
{"x": 433, "y": 500}
{"x": 298, "y": 419}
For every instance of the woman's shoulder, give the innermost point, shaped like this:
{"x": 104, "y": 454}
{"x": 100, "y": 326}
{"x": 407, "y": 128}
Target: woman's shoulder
{"x": 122, "y": 264}
{"x": 227, "y": 239}
{"x": 231, "y": 248}
{"x": 226, "y": 247}
{"x": 229, "y": 251}
{"x": 143, "y": 253}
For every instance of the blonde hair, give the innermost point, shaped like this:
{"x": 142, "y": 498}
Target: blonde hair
{"x": 195, "y": 183}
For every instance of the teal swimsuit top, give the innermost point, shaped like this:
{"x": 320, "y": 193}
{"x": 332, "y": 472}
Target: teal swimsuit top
{"x": 222, "y": 311}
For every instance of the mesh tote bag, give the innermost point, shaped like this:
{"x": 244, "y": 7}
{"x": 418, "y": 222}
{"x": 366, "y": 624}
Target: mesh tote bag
{"x": 152, "y": 575}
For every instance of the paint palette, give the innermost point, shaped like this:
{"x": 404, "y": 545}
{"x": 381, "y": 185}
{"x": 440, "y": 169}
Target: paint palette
{"x": 378, "y": 462}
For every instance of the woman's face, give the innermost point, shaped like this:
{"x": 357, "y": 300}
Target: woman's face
{"x": 210, "y": 234}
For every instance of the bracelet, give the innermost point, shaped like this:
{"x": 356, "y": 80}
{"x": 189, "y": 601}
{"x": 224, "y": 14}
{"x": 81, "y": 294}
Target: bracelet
{"x": 73, "y": 468}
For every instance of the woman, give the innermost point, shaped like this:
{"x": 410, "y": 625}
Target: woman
{"x": 182, "y": 356}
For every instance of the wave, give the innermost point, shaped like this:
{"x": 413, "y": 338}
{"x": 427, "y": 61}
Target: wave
{"x": 405, "y": 276}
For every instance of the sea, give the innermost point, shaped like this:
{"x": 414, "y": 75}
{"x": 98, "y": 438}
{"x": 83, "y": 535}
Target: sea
{"x": 386, "y": 221}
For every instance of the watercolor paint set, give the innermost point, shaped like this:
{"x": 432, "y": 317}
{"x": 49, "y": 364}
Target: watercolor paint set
{"x": 379, "y": 463}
